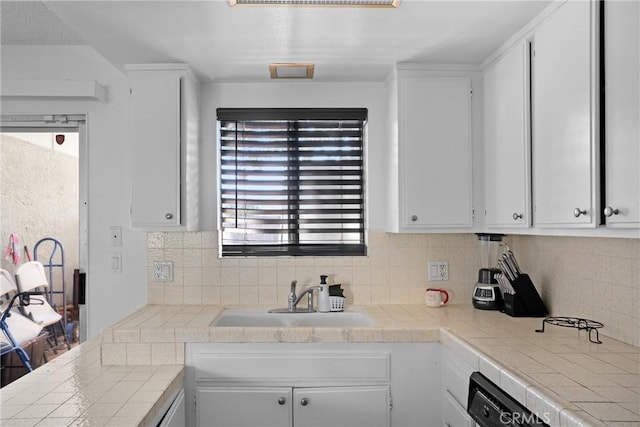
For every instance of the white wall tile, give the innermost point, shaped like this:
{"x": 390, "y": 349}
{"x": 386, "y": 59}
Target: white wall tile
{"x": 574, "y": 275}
{"x": 596, "y": 278}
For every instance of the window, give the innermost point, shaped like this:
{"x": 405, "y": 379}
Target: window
{"x": 291, "y": 181}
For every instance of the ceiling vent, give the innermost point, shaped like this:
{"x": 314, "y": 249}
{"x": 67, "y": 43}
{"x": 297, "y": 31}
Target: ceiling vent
{"x": 291, "y": 71}
{"x": 325, "y": 3}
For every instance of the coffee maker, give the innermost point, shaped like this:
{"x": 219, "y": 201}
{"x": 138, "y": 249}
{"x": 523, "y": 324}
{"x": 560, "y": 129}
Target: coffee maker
{"x": 486, "y": 294}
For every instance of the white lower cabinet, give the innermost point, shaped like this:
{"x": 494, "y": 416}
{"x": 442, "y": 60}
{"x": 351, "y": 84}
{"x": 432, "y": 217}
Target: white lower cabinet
{"x": 173, "y": 413}
{"x": 314, "y": 384}
{"x": 455, "y": 390}
{"x": 365, "y": 406}
{"x": 454, "y": 415}
{"x": 244, "y": 406}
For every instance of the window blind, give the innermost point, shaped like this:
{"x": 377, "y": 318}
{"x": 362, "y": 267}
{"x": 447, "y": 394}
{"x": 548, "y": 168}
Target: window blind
{"x": 291, "y": 181}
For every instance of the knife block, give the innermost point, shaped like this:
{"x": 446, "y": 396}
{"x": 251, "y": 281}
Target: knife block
{"x": 526, "y": 301}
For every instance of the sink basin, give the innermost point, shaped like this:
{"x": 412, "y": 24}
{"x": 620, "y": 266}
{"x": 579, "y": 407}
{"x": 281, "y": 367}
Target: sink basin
{"x": 250, "y": 317}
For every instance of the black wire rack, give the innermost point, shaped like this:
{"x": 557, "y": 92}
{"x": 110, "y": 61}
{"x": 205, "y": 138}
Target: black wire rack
{"x": 591, "y": 326}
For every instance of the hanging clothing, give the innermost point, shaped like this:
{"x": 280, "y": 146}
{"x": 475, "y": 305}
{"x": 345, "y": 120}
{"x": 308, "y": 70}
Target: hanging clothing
{"x": 13, "y": 249}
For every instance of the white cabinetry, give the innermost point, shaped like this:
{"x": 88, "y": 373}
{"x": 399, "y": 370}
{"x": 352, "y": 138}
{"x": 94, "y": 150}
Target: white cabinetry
{"x": 244, "y": 406}
{"x": 365, "y": 406}
{"x": 507, "y": 140}
{"x": 622, "y": 114}
{"x": 318, "y": 384}
{"x": 175, "y": 415}
{"x": 565, "y": 167}
{"x": 455, "y": 390}
{"x": 164, "y": 135}
{"x": 431, "y": 171}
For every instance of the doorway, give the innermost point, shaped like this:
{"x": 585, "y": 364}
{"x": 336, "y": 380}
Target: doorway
{"x": 42, "y": 188}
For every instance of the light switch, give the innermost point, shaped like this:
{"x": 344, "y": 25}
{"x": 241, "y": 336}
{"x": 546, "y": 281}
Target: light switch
{"x": 116, "y": 262}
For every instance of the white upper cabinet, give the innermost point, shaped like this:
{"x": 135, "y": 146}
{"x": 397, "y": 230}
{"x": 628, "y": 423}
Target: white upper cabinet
{"x": 164, "y": 132}
{"x": 621, "y": 204}
{"x": 565, "y": 167}
{"x": 431, "y": 171}
{"x": 507, "y": 140}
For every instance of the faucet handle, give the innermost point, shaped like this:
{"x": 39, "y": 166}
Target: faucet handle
{"x": 292, "y": 296}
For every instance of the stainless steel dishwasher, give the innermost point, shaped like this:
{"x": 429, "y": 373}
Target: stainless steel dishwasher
{"x": 490, "y": 406}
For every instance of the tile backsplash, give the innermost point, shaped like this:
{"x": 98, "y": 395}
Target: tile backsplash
{"x": 393, "y": 272}
{"x": 596, "y": 278}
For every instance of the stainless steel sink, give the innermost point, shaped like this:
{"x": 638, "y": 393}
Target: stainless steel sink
{"x": 255, "y": 317}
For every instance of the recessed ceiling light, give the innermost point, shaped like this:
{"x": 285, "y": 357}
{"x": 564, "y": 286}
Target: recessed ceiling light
{"x": 326, "y": 3}
{"x": 291, "y": 71}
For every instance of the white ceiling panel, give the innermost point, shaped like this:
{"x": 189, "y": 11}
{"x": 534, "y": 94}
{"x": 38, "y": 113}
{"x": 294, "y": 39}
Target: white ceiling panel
{"x": 237, "y": 44}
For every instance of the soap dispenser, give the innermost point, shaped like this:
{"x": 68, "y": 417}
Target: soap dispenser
{"x": 323, "y": 296}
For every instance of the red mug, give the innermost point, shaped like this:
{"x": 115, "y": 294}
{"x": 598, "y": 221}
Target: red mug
{"x": 436, "y": 297}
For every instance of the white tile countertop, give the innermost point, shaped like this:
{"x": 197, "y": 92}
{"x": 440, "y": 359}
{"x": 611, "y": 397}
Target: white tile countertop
{"x": 557, "y": 372}
{"x": 75, "y": 389}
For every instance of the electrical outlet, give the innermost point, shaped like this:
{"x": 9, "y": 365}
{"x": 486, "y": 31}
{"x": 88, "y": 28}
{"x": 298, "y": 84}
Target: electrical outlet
{"x": 438, "y": 271}
{"x": 163, "y": 271}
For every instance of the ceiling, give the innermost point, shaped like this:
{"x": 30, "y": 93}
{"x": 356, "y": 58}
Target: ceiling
{"x": 236, "y": 44}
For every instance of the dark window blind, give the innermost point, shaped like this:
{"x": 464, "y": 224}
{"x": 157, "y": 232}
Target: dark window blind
{"x": 291, "y": 181}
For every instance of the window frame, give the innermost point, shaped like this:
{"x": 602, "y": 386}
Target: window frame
{"x": 334, "y": 248}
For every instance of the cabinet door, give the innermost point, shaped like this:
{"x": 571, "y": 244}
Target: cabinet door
{"x": 622, "y": 113}
{"x": 455, "y": 378}
{"x": 342, "y": 406}
{"x": 155, "y": 108}
{"x": 243, "y": 407}
{"x": 507, "y": 131}
{"x": 176, "y": 414}
{"x": 435, "y": 152}
{"x": 454, "y": 415}
{"x": 564, "y": 167}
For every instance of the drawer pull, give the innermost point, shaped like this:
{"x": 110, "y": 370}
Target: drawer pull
{"x": 609, "y": 211}
{"x": 577, "y": 212}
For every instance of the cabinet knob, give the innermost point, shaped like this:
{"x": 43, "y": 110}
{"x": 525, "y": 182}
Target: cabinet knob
{"x": 414, "y": 218}
{"x": 304, "y": 401}
{"x": 577, "y": 212}
{"x": 609, "y": 211}
{"x": 168, "y": 215}
{"x": 517, "y": 216}
{"x": 282, "y": 401}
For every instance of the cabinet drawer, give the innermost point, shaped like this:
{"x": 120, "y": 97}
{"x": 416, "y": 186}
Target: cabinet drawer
{"x": 455, "y": 378}
{"x": 454, "y": 415}
{"x": 292, "y": 366}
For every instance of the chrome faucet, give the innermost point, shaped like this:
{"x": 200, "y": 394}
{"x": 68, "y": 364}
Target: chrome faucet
{"x": 292, "y": 296}
{"x": 293, "y": 300}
